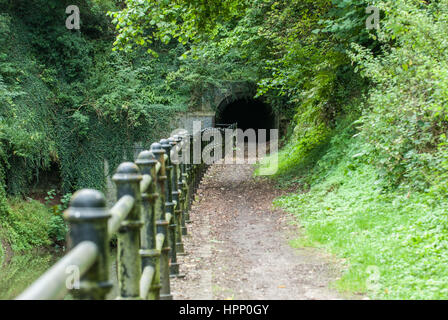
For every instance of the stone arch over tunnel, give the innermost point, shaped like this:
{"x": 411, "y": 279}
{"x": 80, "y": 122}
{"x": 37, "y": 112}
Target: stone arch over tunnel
{"x": 249, "y": 113}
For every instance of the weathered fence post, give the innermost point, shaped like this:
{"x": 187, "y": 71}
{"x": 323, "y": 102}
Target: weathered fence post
{"x": 177, "y": 190}
{"x": 201, "y": 166}
{"x": 191, "y": 168}
{"x": 174, "y": 266}
{"x": 162, "y": 223}
{"x": 127, "y": 179}
{"x": 183, "y": 186}
{"x": 197, "y": 166}
{"x": 150, "y": 256}
{"x": 87, "y": 217}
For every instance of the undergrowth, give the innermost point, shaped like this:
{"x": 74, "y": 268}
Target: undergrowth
{"x": 394, "y": 241}
{"x": 372, "y": 183}
{"x": 29, "y": 224}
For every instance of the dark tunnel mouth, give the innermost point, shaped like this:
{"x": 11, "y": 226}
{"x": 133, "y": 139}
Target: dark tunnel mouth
{"x": 248, "y": 114}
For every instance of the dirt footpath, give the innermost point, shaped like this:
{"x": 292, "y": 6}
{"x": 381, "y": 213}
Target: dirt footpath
{"x": 238, "y": 246}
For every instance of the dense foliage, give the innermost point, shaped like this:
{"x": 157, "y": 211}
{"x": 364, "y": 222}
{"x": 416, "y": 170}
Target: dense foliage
{"x": 367, "y": 144}
{"x": 375, "y": 192}
{"x": 68, "y": 103}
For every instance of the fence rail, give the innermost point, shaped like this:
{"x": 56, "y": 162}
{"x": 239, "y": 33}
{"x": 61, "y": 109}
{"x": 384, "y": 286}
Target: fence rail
{"x": 149, "y": 218}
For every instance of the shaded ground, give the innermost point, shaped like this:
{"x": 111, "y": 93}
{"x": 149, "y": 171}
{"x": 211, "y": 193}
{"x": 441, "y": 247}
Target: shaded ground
{"x": 238, "y": 246}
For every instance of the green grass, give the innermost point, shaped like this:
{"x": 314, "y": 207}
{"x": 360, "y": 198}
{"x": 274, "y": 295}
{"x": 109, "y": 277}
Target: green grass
{"x": 404, "y": 237}
{"x": 2, "y": 254}
{"x": 22, "y": 270}
{"x": 301, "y": 242}
{"x": 27, "y": 225}
{"x": 395, "y": 242}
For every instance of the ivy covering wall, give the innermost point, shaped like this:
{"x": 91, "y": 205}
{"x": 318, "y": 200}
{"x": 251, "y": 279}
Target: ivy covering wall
{"x": 68, "y": 102}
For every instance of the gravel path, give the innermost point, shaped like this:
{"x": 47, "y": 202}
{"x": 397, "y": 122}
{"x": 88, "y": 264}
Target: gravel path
{"x": 238, "y": 245}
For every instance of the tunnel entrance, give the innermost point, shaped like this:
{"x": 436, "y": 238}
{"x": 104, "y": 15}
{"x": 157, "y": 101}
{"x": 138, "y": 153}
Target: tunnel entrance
{"x": 248, "y": 114}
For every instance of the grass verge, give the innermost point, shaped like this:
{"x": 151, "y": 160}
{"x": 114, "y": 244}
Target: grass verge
{"x": 395, "y": 242}
{"x": 29, "y": 224}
